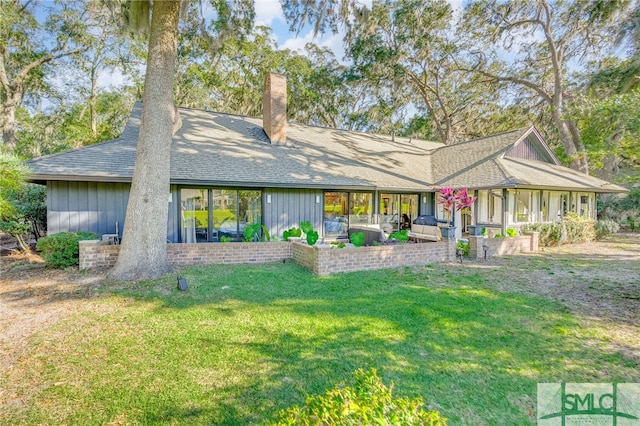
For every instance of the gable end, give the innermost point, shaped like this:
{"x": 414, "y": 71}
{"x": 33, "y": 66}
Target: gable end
{"x": 531, "y": 148}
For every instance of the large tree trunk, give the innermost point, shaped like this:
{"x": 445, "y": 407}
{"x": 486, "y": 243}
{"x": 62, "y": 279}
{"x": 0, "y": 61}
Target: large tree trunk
{"x": 9, "y": 108}
{"x": 570, "y": 139}
{"x": 143, "y": 254}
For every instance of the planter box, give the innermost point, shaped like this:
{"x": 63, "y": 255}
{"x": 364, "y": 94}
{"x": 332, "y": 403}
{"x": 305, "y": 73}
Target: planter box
{"x": 323, "y": 260}
{"x": 448, "y": 232}
{"x": 474, "y": 230}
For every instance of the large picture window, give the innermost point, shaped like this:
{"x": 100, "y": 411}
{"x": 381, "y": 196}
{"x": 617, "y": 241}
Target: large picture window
{"x": 336, "y": 214}
{"x": 209, "y": 214}
{"x": 360, "y": 208}
{"x": 554, "y": 205}
{"x": 398, "y": 211}
{"x": 194, "y": 215}
{"x": 523, "y": 206}
{"x": 489, "y": 207}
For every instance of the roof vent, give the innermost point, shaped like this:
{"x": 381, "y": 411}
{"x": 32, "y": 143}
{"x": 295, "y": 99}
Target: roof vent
{"x": 274, "y": 108}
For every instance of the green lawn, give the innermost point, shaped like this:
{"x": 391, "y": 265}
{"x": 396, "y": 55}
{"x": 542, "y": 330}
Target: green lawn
{"x": 247, "y": 341}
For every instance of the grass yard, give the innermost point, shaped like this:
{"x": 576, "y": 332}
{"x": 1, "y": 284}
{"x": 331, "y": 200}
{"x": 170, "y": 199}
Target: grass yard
{"x": 247, "y": 341}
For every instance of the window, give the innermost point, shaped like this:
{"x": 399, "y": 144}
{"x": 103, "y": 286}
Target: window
{"x": 360, "y": 208}
{"x": 210, "y": 214}
{"x": 585, "y": 203}
{"x": 554, "y": 205}
{"x": 489, "y": 207}
{"x": 409, "y": 204}
{"x": 398, "y": 211}
{"x": 225, "y": 214}
{"x": 336, "y": 218}
{"x": 194, "y": 215}
{"x": 523, "y": 206}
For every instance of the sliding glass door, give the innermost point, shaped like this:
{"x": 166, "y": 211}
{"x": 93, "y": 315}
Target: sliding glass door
{"x": 398, "y": 211}
{"x": 209, "y": 214}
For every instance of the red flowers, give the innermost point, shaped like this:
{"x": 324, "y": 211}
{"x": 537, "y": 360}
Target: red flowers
{"x": 449, "y": 197}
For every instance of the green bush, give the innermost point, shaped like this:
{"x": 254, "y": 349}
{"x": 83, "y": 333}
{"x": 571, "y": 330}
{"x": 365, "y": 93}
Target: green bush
{"x": 606, "y": 227}
{"x": 370, "y": 402}
{"x": 631, "y": 222}
{"x": 251, "y": 232}
{"x": 62, "y": 249}
{"x": 572, "y": 229}
{"x": 292, "y": 232}
{"x": 307, "y": 228}
{"x": 464, "y": 245}
{"x": 511, "y": 232}
{"x": 357, "y": 238}
{"x": 401, "y": 236}
{"x": 26, "y": 214}
{"x": 623, "y": 209}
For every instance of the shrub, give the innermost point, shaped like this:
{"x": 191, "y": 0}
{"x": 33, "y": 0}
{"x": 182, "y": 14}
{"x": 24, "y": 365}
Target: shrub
{"x": 402, "y": 236}
{"x": 619, "y": 207}
{"x": 357, "y": 238}
{"x": 62, "y": 250}
{"x": 292, "y": 232}
{"x": 251, "y": 232}
{"x": 631, "y": 222}
{"x": 572, "y": 229}
{"x": 511, "y": 232}
{"x": 307, "y": 228}
{"x": 606, "y": 227}
{"x": 369, "y": 402}
{"x": 464, "y": 245}
{"x": 27, "y": 214}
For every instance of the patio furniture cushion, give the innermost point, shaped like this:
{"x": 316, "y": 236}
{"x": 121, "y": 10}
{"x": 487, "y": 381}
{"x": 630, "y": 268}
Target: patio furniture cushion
{"x": 425, "y": 232}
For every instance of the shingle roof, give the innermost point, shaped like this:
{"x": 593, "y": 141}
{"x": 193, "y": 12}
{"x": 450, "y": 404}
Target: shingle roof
{"x": 221, "y": 149}
{"x": 228, "y": 150}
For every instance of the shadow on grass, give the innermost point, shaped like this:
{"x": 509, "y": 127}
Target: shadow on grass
{"x": 248, "y": 340}
{"x": 472, "y": 353}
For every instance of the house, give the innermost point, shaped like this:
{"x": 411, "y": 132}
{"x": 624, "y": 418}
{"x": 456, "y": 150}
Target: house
{"x": 228, "y": 171}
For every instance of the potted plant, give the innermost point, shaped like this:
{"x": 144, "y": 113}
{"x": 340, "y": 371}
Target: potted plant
{"x": 454, "y": 199}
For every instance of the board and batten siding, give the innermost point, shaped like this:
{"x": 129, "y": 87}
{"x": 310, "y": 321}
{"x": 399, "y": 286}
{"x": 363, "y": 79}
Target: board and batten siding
{"x": 95, "y": 207}
{"x": 289, "y": 207}
{"x": 427, "y": 203}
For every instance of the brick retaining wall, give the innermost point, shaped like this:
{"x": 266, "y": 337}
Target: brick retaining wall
{"x": 503, "y": 246}
{"x": 94, "y": 254}
{"x": 327, "y": 260}
{"x": 320, "y": 260}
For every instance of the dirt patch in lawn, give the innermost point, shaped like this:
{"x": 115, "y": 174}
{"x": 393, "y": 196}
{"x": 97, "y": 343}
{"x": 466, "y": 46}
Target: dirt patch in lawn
{"x": 599, "y": 282}
{"x": 34, "y": 297}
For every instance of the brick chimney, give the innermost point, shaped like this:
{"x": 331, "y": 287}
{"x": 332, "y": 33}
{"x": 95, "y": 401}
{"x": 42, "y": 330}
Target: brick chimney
{"x": 274, "y": 108}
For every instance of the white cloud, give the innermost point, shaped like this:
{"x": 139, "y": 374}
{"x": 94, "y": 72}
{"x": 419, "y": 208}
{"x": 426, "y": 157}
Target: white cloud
{"x": 112, "y": 78}
{"x": 267, "y": 11}
{"x": 332, "y": 41}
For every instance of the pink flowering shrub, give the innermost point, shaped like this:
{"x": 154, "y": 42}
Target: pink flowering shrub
{"x": 450, "y": 197}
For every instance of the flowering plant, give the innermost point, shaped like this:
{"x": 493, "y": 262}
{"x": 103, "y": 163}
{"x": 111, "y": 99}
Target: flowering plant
{"x": 459, "y": 199}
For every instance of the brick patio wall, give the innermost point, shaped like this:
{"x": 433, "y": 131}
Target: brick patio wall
{"x": 326, "y": 260}
{"x": 503, "y": 246}
{"x": 94, "y": 254}
{"x": 319, "y": 260}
